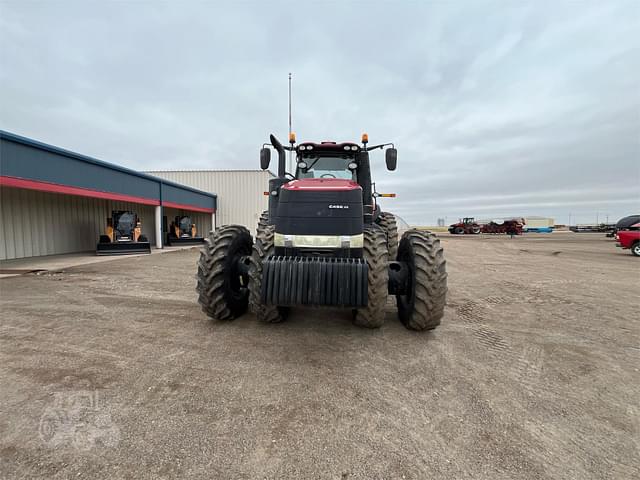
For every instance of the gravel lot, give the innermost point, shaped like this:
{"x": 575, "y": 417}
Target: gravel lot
{"x": 111, "y": 370}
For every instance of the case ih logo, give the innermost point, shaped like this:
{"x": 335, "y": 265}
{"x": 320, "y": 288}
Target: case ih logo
{"x": 339, "y": 206}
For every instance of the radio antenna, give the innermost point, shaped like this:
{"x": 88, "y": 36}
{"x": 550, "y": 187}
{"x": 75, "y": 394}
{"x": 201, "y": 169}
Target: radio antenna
{"x": 290, "y": 152}
{"x": 289, "y": 103}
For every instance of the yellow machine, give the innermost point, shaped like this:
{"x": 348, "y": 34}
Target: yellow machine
{"x": 183, "y": 231}
{"x": 123, "y": 235}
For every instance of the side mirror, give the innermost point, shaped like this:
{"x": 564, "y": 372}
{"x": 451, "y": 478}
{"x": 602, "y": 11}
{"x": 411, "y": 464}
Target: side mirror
{"x": 265, "y": 158}
{"x": 391, "y": 157}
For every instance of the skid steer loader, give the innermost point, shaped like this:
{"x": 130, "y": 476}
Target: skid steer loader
{"x": 123, "y": 235}
{"x": 324, "y": 242}
{"x": 183, "y": 232}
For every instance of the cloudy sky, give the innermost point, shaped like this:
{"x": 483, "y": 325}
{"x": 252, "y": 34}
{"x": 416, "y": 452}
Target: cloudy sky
{"x": 497, "y": 108}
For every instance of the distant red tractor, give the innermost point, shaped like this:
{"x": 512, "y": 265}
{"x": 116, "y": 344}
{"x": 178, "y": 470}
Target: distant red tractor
{"x": 466, "y": 225}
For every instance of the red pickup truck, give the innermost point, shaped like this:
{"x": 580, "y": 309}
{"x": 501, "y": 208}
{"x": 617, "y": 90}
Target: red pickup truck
{"x": 629, "y": 239}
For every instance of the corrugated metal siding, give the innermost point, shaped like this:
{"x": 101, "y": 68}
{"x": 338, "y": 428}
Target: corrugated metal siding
{"x": 37, "y": 223}
{"x": 241, "y": 197}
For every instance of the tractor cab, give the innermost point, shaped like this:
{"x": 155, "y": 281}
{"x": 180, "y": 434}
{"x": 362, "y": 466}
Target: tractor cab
{"x": 327, "y": 160}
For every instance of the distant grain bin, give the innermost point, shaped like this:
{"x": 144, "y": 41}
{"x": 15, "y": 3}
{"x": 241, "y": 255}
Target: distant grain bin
{"x": 241, "y": 197}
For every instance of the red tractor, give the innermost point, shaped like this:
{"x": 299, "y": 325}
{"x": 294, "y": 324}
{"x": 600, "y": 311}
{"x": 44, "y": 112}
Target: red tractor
{"x": 466, "y": 225}
{"x": 324, "y": 242}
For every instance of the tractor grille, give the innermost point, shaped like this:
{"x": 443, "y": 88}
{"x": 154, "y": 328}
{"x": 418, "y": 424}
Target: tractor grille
{"x": 315, "y": 281}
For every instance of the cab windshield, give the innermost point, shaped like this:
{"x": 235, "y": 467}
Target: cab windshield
{"x": 125, "y": 223}
{"x": 326, "y": 167}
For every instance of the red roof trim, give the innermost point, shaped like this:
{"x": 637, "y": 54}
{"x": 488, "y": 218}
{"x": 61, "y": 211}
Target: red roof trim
{"x": 182, "y": 206}
{"x": 15, "y": 182}
{"x": 68, "y": 190}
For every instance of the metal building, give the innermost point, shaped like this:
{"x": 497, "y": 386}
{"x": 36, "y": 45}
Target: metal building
{"x": 241, "y": 197}
{"x": 54, "y": 201}
{"x": 539, "y": 222}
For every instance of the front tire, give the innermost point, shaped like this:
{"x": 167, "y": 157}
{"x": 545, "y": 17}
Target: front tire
{"x": 376, "y": 255}
{"x": 635, "y": 249}
{"x": 388, "y": 223}
{"x": 262, "y": 249}
{"x": 458, "y": 230}
{"x": 222, "y": 290}
{"x": 422, "y": 308}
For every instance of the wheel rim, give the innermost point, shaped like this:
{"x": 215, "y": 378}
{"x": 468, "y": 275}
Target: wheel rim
{"x": 236, "y": 288}
{"x": 636, "y": 249}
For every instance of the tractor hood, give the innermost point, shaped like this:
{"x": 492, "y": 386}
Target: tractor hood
{"x": 322, "y": 184}
{"x": 318, "y": 206}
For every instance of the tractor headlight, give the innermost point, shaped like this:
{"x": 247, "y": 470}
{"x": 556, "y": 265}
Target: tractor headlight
{"x": 347, "y": 147}
{"x": 354, "y": 147}
{"x": 352, "y": 165}
{"x": 302, "y": 165}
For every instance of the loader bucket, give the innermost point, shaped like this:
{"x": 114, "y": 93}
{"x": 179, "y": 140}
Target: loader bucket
{"x": 184, "y": 240}
{"x": 122, "y": 248}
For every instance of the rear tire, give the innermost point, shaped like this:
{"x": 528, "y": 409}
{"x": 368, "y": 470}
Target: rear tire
{"x": 388, "y": 223}
{"x": 221, "y": 293}
{"x": 635, "y": 249}
{"x": 262, "y": 249}
{"x": 263, "y": 223}
{"x": 376, "y": 255}
{"x": 422, "y": 308}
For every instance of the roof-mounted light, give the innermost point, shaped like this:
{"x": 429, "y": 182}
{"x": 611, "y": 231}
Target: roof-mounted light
{"x": 292, "y": 137}
{"x": 365, "y": 138}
